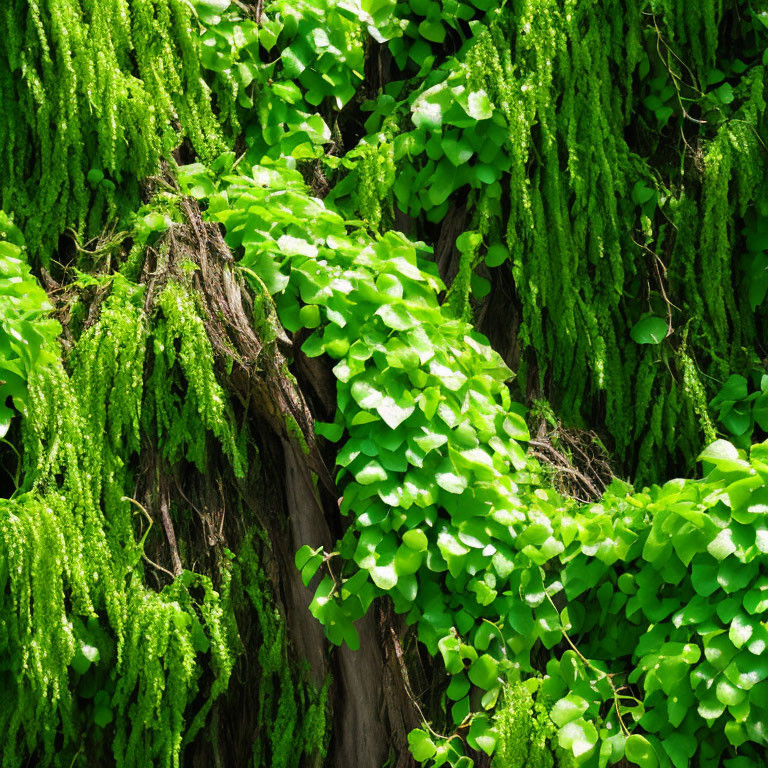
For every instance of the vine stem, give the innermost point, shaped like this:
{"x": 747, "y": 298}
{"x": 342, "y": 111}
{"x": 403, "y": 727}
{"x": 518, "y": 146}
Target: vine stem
{"x": 602, "y": 675}
{"x": 409, "y": 690}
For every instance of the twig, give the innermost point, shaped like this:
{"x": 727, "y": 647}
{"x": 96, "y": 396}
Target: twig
{"x": 616, "y": 691}
{"x": 141, "y": 543}
{"x": 170, "y": 534}
{"x": 566, "y": 467}
{"x": 657, "y": 260}
{"x": 409, "y": 691}
{"x": 675, "y": 78}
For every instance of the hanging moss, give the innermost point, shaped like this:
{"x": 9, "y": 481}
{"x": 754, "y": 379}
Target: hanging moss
{"x": 292, "y": 715}
{"x": 93, "y": 653}
{"x": 94, "y": 93}
{"x": 181, "y": 417}
{"x": 628, "y": 178}
{"x": 526, "y": 735}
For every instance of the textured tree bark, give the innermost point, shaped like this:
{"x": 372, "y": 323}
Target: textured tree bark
{"x": 292, "y": 498}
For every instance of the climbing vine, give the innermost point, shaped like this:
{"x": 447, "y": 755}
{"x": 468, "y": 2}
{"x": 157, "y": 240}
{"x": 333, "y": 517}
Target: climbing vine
{"x": 449, "y": 519}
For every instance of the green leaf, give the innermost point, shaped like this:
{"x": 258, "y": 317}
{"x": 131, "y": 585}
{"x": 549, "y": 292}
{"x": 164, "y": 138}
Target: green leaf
{"x": 442, "y": 182}
{"x": 102, "y": 716}
{"x": 484, "y": 672}
{"x": 733, "y": 389}
{"x": 449, "y": 649}
{"x": 723, "y": 455}
{"x": 84, "y": 657}
{"x": 724, "y": 94}
{"x": 102, "y": 709}
{"x": 416, "y": 540}
{"x": 680, "y": 747}
{"x": 497, "y": 254}
{"x": 449, "y": 480}
{"x": 309, "y": 316}
{"x": 458, "y": 688}
{"x": 568, "y": 709}
{"x": 432, "y": 30}
{"x": 329, "y": 431}
{"x": 304, "y": 554}
{"x": 481, "y": 735}
{"x": 722, "y": 546}
{"x": 372, "y": 472}
{"x": 479, "y": 106}
{"x": 650, "y": 330}
{"x": 640, "y": 751}
{"x": 457, "y": 150}
{"x": 727, "y": 693}
{"x": 578, "y": 736}
{"x": 427, "y": 110}
{"x": 421, "y": 745}
{"x": 641, "y": 194}
{"x": 384, "y": 576}
{"x": 397, "y": 317}
{"x": 156, "y": 222}
{"x": 407, "y": 562}
{"x": 460, "y": 710}
{"x": 395, "y": 412}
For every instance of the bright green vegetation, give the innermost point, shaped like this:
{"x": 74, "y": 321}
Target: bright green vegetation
{"x": 602, "y": 162}
{"x": 93, "y": 95}
{"x": 451, "y": 521}
{"x": 73, "y": 576}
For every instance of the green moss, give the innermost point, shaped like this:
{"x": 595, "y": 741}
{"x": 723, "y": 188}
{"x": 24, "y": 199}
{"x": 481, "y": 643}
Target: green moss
{"x": 292, "y": 717}
{"x": 94, "y": 94}
{"x": 295, "y": 431}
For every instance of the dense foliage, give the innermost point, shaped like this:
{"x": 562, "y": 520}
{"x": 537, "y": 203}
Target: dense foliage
{"x": 600, "y": 166}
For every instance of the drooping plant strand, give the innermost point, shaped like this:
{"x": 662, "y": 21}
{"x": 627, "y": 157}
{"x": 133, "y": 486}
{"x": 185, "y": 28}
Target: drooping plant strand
{"x": 94, "y": 94}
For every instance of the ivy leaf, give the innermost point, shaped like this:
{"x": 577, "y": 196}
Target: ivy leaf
{"x": 760, "y": 411}
{"x": 733, "y": 389}
{"x": 580, "y": 737}
{"x": 365, "y": 394}
{"x": 457, "y": 150}
{"x": 458, "y": 688}
{"x": 428, "y": 108}
{"x": 449, "y": 480}
{"x": 102, "y": 704}
{"x": 432, "y": 30}
{"x": 729, "y": 694}
{"x": 641, "y": 194}
{"x": 497, "y": 254}
{"x": 394, "y": 412}
{"x": 640, "y": 751}
{"x": 481, "y": 735}
{"x": 479, "y": 106}
{"x": 484, "y": 672}
{"x": 724, "y": 456}
{"x": 460, "y": 710}
{"x": 372, "y": 472}
{"x": 568, "y": 709}
{"x": 384, "y": 576}
{"x": 397, "y": 317}
{"x": 415, "y": 540}
{"x": 650, "y": 330}
{"x": 84, "y": 657}
{"x": 680, "y": 747}
{"x": 421, "y": 746}
{"x": 449, "y": 649}
{"x": 724, "y": 94}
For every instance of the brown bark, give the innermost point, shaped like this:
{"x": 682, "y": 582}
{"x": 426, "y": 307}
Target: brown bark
{"x": 371, "y": 708}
